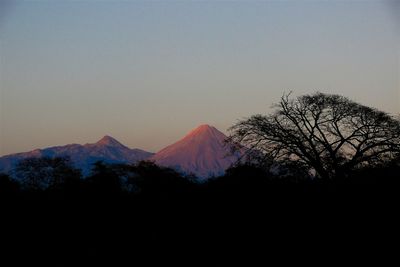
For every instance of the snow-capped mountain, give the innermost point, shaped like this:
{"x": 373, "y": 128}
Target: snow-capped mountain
{"x": 106, "y": 149}
{"x": 201, "y": 152}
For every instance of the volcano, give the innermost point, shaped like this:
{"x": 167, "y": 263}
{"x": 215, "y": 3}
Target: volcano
{"x": 201, "y": 152}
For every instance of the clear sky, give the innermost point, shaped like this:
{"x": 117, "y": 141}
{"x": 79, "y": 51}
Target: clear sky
{"x": 148, "y": 72}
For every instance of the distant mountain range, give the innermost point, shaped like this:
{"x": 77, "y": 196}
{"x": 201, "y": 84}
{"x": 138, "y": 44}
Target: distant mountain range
{"x": 106, "y": 149}
{"x": 202, "y": 152}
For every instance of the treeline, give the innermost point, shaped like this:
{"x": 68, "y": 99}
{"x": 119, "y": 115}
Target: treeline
{"x": 146, "y": 215}
{"x": 57, "y": 178}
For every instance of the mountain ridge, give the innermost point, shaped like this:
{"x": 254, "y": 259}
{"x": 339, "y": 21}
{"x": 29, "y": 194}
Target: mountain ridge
{"x": 201, "y": 152}
{"x": 107, "y": 149}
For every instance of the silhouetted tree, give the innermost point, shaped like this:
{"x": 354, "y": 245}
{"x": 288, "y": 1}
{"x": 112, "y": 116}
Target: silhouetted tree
{"x": 328, "y": 134}
{"x": 104, "y": 179}
{"x": 161, "y": 181}
{"x": 8, "y": 186}
{"x": 43, "y": 173}
{"x": 243, "y": 176}
{"x": 127, "y": 177}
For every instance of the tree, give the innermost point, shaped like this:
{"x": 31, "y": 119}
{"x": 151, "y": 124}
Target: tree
{"x": 8, "y": 186}
{"x": 46, "y": 173}
{"x": 154, "y": 180}
{"x": 104, "y": 180}
{"x": 328, "y": 134}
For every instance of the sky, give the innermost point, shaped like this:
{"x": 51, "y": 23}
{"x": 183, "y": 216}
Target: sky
{"x": 147, "y": 72}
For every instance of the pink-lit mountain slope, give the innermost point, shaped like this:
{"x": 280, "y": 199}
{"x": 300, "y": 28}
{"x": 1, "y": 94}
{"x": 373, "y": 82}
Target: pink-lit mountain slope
{"x": 201, "y": 152}
{"x": 107, "y": 149}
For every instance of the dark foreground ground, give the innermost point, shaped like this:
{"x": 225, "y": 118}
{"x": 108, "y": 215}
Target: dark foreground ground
{"x": 240, "y": 222}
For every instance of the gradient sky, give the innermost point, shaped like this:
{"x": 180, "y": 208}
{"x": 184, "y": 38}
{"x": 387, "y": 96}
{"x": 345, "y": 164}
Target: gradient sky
{"x": 148, "y": 72}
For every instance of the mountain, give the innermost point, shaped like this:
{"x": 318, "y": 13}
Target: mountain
{"x": 106, "y": 149}
{"x": 201, "y": 152}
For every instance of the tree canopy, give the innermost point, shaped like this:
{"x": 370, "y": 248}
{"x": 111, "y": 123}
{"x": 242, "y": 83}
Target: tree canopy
{"x": 328, "y": 134}
{"x": 45, "y": 172}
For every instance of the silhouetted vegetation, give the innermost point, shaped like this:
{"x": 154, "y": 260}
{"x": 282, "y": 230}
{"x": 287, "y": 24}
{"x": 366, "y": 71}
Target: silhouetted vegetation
{"x": 146, "y": 215}
{"x": 40, "y": 174}
{"x": 8, "y": 187}
{"x": 151, "y": 215}
{"x": 328, "y": 134}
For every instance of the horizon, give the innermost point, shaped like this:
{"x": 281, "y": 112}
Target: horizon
{"x": 146, "y": 73}
{"x": 119, "y": 141}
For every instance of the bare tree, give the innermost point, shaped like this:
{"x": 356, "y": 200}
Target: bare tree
{"x": 329, "y": 134}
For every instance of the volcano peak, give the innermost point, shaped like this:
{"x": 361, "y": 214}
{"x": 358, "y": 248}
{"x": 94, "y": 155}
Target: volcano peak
{"x": 108, "y": 141}
{"x": 201, "y": 152}
{"x": 202, "y": 130}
